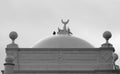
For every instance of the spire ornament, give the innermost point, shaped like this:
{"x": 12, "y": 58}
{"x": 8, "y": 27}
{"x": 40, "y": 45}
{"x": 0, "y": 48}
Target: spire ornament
{"x": 64, "y": 31}
{"x": 13, "y": 35}
{"x": 107, "y": 35}
{"x": 65, "y": 22}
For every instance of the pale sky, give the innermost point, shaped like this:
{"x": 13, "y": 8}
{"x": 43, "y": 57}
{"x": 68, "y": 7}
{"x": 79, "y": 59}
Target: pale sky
{"x": 37, "y": 19}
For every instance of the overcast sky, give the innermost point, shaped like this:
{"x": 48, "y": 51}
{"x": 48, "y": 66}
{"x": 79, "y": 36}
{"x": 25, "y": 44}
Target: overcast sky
{"x": 37, "y": 19}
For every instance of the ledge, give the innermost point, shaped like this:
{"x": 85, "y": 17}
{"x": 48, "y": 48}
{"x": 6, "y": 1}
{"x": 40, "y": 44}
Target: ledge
{"x": 58, "y": 49}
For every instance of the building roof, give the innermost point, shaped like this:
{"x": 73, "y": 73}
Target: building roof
{"x": 63, "y": 41}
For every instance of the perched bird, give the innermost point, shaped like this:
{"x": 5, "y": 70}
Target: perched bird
{"x": 54, "y": 32}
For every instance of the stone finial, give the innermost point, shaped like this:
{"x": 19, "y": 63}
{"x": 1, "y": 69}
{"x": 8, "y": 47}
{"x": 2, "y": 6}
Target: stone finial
{"x": 107, "y": 35}
{"x": 13, "y": 35}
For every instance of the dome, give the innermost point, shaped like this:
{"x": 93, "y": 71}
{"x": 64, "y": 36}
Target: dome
{"x": 63, "y": 41}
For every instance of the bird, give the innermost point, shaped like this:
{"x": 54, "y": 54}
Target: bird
{"x": 54, "y": 32}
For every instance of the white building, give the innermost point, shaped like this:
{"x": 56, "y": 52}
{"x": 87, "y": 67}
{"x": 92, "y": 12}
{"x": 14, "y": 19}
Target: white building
{"x": 62, "y": 53}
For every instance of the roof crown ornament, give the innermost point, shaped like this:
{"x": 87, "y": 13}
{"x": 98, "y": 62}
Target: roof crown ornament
{"x": 13, "y": 35}
{"x": 107, "y": 35}
{"x": 64, "y": 31}
{"x": 64, "y": 22}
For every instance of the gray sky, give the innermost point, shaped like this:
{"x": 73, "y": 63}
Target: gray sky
{"x": 36, "y": 19}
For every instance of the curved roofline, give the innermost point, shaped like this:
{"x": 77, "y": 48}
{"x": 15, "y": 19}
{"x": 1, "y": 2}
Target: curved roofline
{"x": 63, "y": 41}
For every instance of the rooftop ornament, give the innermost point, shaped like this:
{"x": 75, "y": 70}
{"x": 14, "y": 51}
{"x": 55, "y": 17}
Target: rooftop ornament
{"x": 64, "y": 31}
{"x": 107, "y": 35}
{"x": 13, "y": 35}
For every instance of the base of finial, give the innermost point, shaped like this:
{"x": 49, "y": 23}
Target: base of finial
{"x": 106, "y": 45}
{"x": 12, "y": 46}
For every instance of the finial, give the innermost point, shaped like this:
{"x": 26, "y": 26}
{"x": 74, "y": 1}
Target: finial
{"x": 65, "y": 22}
{"x": 13, "y": 35}
{"x": 107, "y": 35}
{"x": 64, "y": 31}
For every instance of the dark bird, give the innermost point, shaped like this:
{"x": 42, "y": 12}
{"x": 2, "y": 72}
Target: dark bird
{"x": 54, "y": 32}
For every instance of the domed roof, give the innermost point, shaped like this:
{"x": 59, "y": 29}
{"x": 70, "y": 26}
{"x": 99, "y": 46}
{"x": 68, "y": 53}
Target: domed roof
{"x": 63, "y": 41}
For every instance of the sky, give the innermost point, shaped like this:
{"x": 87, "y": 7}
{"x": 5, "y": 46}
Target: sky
{"x": 34, "y": 20}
